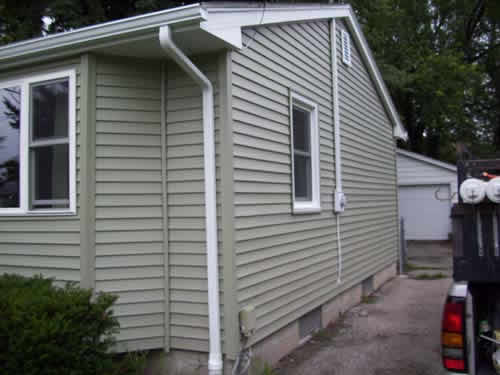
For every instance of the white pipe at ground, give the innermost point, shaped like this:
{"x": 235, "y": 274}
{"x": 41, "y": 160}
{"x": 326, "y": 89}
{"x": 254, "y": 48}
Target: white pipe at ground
{"x": 215, "y": 355}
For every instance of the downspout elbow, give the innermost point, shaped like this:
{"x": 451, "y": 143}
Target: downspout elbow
{"x": 215, "y": 365}
{"x": 174, "y": 52}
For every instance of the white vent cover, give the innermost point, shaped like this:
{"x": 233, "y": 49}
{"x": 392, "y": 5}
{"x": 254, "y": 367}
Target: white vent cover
{"x": 346, "y": 48}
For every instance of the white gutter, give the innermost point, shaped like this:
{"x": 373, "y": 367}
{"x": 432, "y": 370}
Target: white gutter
{"x": 215, "y": 355}
{"x": 90, "y": 36}
{"x": 338, "y": 162}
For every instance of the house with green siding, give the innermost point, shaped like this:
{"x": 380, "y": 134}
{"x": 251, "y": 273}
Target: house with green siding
{"x": 227, "y": 170}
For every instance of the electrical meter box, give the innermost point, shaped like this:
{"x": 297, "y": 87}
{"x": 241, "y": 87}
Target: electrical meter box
{"x": 248, "y": 321}
{"x": 476, "y": 240}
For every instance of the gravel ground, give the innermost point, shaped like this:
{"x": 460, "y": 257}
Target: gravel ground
{"x": 395, "y": 332}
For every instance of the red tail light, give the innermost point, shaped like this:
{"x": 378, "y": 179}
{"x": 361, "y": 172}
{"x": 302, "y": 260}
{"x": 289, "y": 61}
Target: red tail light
{"x": 453, "y": 317}
{"x": 453, "y": 335}
{"x": 454, "y": 364}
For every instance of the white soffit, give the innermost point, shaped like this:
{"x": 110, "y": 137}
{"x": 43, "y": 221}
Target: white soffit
{"x": 226, "y": 23}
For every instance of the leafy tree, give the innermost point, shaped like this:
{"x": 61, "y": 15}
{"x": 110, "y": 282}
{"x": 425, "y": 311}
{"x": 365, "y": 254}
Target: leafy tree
{"x": 481, "y": 44}
{"x": 21, "y": 19}
{"x": 415, "y": 47}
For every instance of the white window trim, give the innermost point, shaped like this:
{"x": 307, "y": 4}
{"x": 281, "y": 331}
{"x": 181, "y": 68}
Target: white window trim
{"x": 314, "y": 205}
{"x": 24, "y": 133}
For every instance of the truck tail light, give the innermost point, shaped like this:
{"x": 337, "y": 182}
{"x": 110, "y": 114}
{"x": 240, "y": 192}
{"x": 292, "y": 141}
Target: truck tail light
{"x": 453, "y": 335}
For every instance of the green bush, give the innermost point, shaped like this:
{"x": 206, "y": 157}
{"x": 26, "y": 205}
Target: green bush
{"x": 47, "y": 330}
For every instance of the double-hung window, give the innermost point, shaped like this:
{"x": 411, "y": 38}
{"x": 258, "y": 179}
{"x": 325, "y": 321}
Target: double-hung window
{"x": 37, "y": 144}
{"x": 305, "y": 154}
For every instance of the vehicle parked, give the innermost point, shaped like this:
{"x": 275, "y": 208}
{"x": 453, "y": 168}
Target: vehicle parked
{"x": 471, "y": 314}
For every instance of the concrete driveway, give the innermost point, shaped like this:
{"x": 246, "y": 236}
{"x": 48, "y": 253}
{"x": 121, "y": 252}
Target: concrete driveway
{"x": 394, "y": 332}
{"x": 431, "y": 258}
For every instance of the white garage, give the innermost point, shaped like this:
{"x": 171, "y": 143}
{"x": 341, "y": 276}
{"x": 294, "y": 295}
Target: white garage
{"x": 427, "y": 189}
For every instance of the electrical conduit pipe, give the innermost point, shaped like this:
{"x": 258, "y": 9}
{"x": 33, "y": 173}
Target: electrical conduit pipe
{"x": 168, "y": 45}
{"x": 336, "y": 126}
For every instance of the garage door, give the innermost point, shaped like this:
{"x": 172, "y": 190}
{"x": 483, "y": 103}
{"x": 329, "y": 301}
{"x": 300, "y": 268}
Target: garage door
{"x": 426, "y": 210}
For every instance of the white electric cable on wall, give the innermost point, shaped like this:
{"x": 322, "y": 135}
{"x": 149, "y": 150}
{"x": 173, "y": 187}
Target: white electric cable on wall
{"x": 336, "y": 126}
{"x": 339, "y": 250}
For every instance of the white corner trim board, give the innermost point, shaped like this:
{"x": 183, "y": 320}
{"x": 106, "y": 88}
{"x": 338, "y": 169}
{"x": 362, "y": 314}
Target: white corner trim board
{"x": 215, "y": 354}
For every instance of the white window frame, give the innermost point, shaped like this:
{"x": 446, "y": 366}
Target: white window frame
{"x": 24, "y": 143}
{"x": 313, "y": 205}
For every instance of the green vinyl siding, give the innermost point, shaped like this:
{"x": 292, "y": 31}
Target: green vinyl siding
{"x": 129, "y": 222}
{"x": 48, "y": 245}
{"x": 369, "y": 225}
{"x": 186, "y": 205}
{"x": 286, "y": 264}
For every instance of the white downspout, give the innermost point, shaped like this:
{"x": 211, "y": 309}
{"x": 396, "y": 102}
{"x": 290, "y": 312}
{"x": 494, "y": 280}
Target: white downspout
{"x": 336, "y": 125}
{"x": 215, "y": 355}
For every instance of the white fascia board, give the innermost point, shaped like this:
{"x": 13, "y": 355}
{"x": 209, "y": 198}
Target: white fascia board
{"x": 400, "y": 133}
{"x": 426, "y": 159}
{"x": 398, "y": 130}
{"x": 226, "y": 24}
{"x": 91, "y": 37}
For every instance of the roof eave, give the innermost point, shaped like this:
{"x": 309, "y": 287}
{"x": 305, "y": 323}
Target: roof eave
{"x": 213, "y": 20}
{"x": 229, "y": 29}
{"x": 426, "y": 159}
{"x": 97, "y": 36}
{"x": 399, "y": 130}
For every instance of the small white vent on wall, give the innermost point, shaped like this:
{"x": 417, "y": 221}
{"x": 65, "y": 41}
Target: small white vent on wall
{"x": 346, "y": 48}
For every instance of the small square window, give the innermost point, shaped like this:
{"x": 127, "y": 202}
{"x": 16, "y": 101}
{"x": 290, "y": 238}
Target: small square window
{"x": 305, "y": 155}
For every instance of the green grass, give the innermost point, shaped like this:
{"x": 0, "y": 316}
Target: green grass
{"x": 413, "y": 267}
{"x": 427, "y": 276}
{"x": 322, "y": 335}
{"x": 267, "y": 370}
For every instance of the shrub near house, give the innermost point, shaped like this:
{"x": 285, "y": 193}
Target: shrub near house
{"x": 49, "y": 330}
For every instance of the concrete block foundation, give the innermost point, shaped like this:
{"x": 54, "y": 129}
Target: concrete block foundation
{"x": 271, "y": 349}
